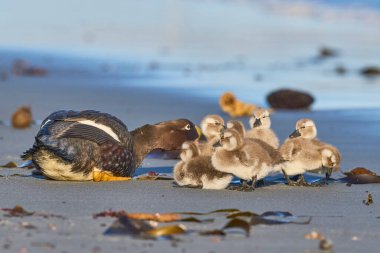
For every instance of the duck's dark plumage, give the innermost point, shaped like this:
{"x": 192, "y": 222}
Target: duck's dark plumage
{"x": 70, "y": 144}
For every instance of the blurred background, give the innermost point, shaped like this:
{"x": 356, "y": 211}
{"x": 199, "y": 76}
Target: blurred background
{"x": 249, "y": 47}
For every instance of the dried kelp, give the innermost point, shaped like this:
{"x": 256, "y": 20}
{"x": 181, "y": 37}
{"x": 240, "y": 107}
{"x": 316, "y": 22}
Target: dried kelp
{"x": 142, "y": 229}
{"x": 9, "y": 165}
{"x": 234, "y": 223}
{"x": 159, "y": 217}
{"x": 369, "y": 200}
{"x": 27, "y": 164}
{"x": 152, "y": 175}
{"x": 361, "y": 175}
{"x": 278, "y": 218}
{"x": 141, "y": 224}
{"x": 19, "y": 211}
{"x": 230, "y": 210}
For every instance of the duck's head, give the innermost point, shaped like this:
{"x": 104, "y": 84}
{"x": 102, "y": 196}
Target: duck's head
{"x": 305, "y": 128}
{"x": 170, "y": 135}
{"x": 189, "y": 150}
{"x": 231, "y": 140}
{"x": 260, "y": 119}
{"x": 212, "y": 125}
{"x": 236, "y": 125}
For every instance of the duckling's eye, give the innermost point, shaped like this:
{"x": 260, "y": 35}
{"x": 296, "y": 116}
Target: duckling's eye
{"x": 188, "y": 127}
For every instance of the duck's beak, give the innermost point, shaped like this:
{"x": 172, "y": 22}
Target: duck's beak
{"x": 199, "y": 131}
{"x": 257, "y": 123}
{"x": 295, "y": 134}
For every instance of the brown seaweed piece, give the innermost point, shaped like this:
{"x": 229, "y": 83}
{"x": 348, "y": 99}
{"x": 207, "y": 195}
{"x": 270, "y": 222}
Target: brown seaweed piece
{"x": 9, "y": 165}
{"x": 159, "y": 217}
{"x": 234, "y": 107}
{"x": 142, "y": 229}
{"x": 361, "y": 175}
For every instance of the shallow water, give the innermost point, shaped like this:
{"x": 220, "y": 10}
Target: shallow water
{"x": 248, "y": 47}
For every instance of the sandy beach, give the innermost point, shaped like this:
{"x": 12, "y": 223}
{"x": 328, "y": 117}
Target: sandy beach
{"x": 175, "y": 64}
{"x": 337, "y": 210}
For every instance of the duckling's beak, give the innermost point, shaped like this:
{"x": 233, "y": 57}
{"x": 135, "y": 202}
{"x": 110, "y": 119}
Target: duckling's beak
{"x": 257, "y": 123}
{"x": 328, "y": 173}
{"x": 199, "y": 131}
{"x": 222, "y": 136}
{"x": 295, "y": 134}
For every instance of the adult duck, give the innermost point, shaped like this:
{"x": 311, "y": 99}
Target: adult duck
{"x": 90, "y": 145}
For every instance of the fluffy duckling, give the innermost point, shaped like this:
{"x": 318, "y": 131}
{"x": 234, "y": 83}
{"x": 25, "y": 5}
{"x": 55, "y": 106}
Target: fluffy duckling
{"x": 236, "y": 125}
{"x": 211, "y": 127}
{"x": 303, "y": 152}
{"x": 260, "y": 128}
{"x": 247, "y": 160}
{"x": 196, "y": 170}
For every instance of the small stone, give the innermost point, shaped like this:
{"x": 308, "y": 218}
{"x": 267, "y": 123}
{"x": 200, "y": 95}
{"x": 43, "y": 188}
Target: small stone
{"x": 326, "y": 52}
{"x": 340, "y": 70}
{"x": 370, "y": 71}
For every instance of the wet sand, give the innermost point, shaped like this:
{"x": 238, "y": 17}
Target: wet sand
{"x": 337, "y": 210}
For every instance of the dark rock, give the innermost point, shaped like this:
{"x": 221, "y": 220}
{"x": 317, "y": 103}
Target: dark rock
{"x": 326, "y": 52}
{"x": 289, "y": 99}
{"x": 370, "y": 71}
{"x": 341, "y": 70}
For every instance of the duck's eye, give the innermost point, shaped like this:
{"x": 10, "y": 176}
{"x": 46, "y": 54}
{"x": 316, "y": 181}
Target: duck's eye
{"x": 188, "y": 127}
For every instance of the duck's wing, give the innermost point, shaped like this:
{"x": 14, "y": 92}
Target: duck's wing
{"x": 87, "y": 132}
{"x": 91, "y": 125}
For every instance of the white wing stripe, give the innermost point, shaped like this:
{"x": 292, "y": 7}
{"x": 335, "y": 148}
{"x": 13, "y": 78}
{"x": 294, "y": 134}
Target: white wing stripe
{"x": 104, "y": 128}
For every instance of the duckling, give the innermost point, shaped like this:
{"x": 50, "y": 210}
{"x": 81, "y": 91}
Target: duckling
{"x": 247, "y": 160}
{"x": 90, "y": 145}
{"x": 196, "y": 170}
{"x": 260, "y": 128}
{"x": 237, "y": 125}
{"x": 303, "y": 152}
{"x": 211, "y": 127}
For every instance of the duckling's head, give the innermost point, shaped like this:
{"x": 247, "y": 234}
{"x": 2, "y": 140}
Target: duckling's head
{"x": 260, "y": 119}
{"x": 189, "y": 150}
{"x": 236, "y": 125}
{"x": 231, "y": 140}
{"x": 305, "y": 128}
{"x": 179, "y": 174}
{"x": 212, "y": 125}
{"x": 331, "y": 158}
